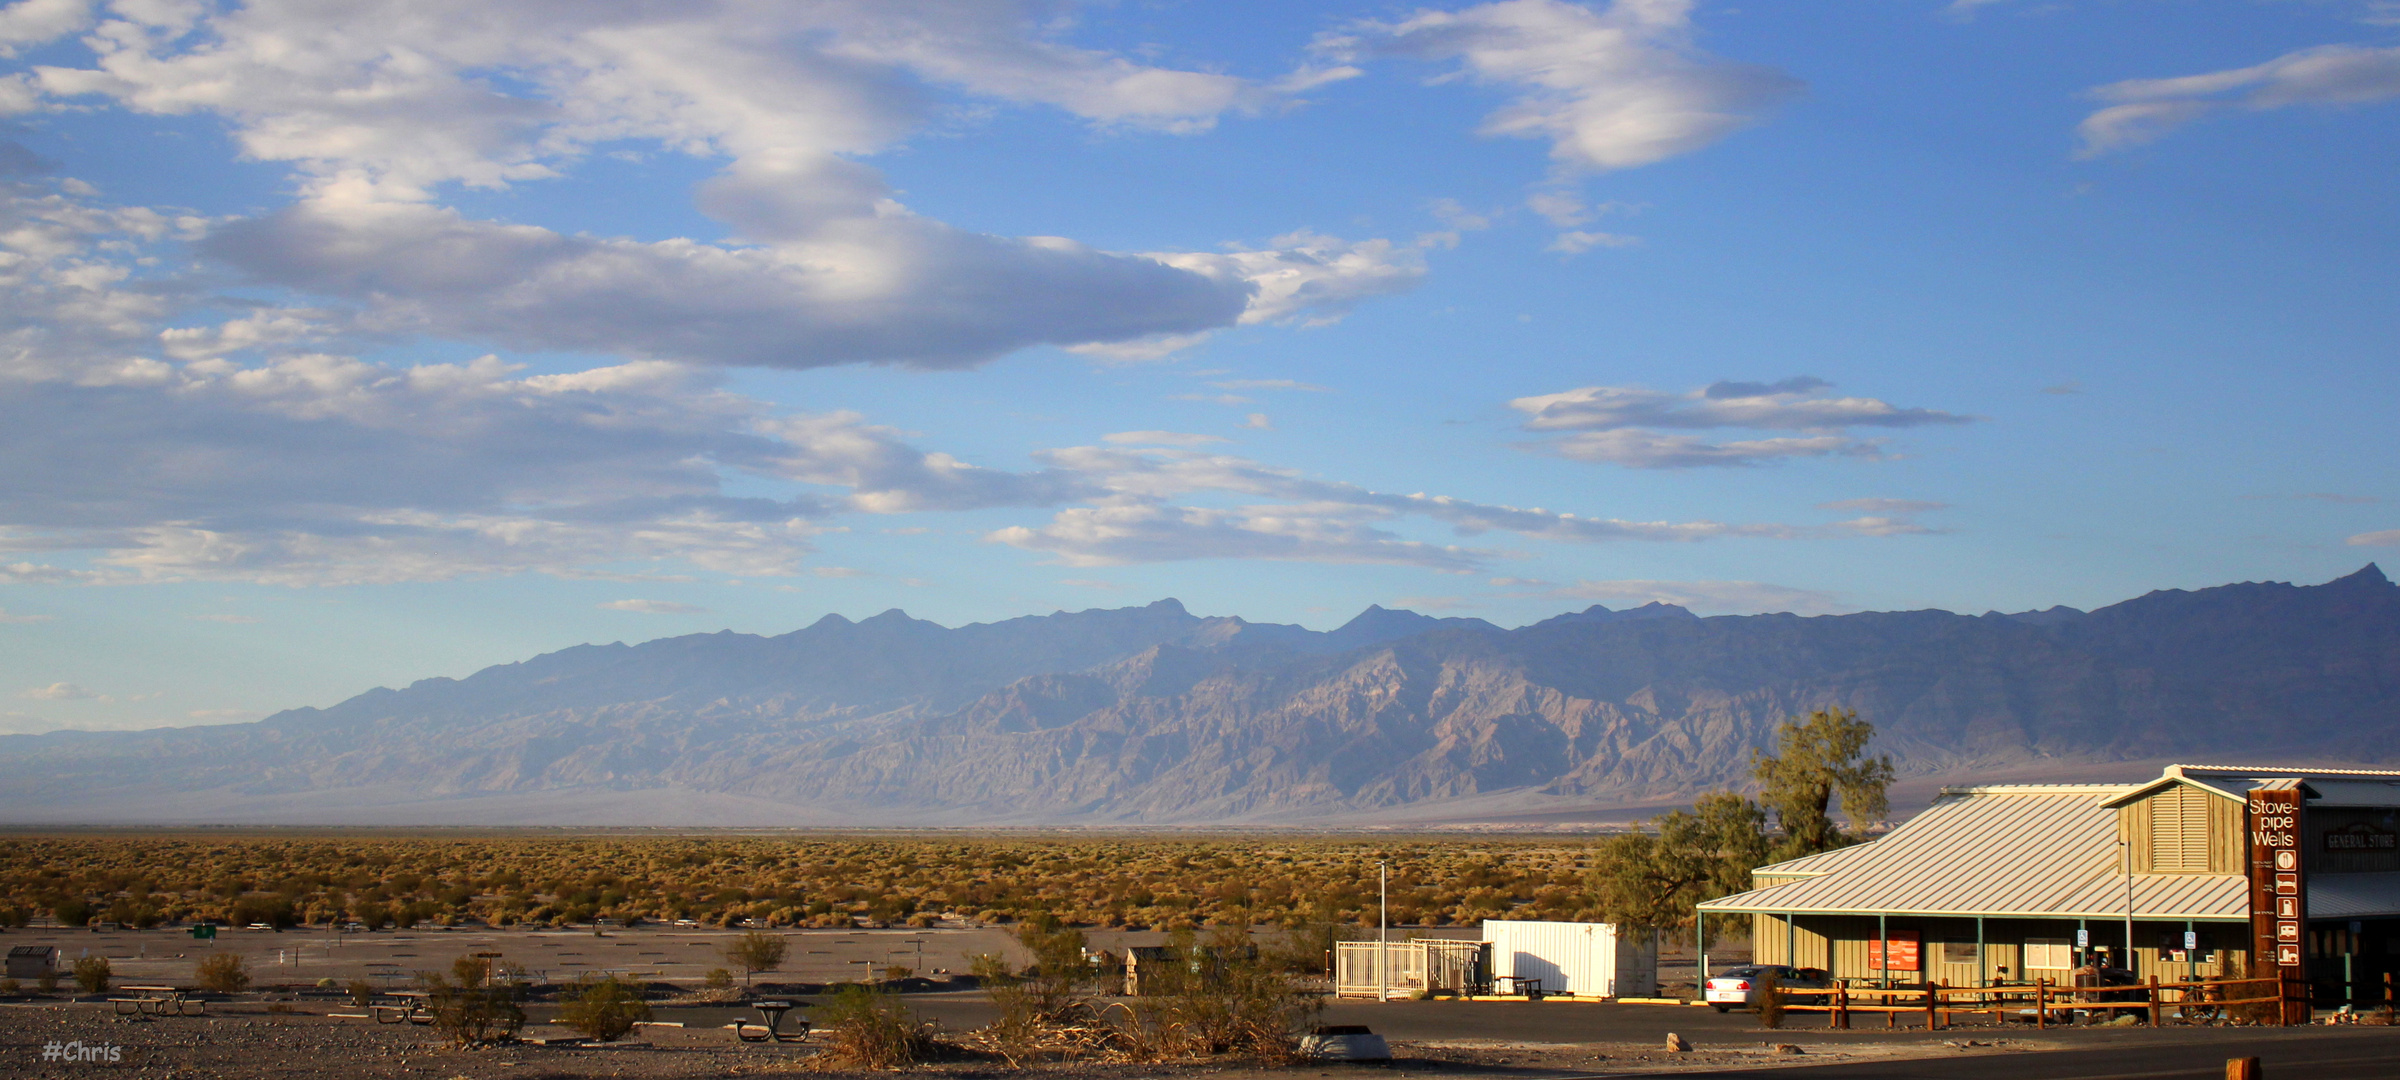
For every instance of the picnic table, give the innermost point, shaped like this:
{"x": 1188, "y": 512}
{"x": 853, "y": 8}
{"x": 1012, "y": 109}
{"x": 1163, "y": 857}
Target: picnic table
{"x": 408, "y": 1007}
{"x": 771, "y": 1014}
{"x": 158, "y": 1001}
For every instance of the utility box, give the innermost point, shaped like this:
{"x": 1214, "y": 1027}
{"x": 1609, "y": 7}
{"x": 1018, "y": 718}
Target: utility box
{"x": 1598, "y": 960}
{"x": 31, "y": 961}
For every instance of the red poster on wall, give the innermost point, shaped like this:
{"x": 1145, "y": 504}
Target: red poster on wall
{"x": 1903, "y": 952}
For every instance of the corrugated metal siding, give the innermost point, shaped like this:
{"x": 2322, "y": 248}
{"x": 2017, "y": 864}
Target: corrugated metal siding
{"x": 2353, "y": 896}
{"x": 1574, "y": 958}
{"x": 1992, "y": 851}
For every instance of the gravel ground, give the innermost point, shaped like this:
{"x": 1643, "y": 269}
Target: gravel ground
{"x": 245, "y": 1042}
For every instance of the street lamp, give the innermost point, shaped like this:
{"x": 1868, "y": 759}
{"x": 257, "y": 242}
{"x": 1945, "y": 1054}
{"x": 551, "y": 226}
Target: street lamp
{"x": 1383, "y": 946}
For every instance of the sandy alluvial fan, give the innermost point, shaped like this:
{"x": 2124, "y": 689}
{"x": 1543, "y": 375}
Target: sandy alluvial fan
{"x": 1152, "y": 714}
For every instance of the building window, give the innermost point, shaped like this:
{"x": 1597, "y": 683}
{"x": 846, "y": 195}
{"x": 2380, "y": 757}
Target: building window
{"x": 1958, "y": 952}
{"x": 2179, "y": 831}
{"x": 2053, "y": 953}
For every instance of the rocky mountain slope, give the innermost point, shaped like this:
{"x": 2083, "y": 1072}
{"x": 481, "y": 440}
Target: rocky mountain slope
{"x": 1152, "y": 714}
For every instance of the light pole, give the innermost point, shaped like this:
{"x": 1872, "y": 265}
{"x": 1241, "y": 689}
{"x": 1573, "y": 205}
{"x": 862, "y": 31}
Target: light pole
{"x": 1383, "y": 946}
{"x": 2127, "y": 859}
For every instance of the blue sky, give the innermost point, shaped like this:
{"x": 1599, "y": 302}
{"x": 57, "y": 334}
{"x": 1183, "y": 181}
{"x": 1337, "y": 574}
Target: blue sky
{"x": 349, "y": 343}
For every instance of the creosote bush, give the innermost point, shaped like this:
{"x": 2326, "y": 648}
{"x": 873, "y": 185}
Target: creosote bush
{"x": 92, "y": 974}
{"x": 1770, "y": 1001}
{"x": 470, "y": 1008}
{"x": 870, "y": 1029}
{"x": 604, "y": 1009}
{"x": 222, "y": 973}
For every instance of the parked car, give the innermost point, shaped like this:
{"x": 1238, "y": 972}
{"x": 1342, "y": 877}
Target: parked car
{"x": 1739, "y": 987}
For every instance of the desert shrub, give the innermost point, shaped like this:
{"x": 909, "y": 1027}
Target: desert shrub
{"x": 223, "y": 973}
{"x": 1770, "y": 1001}
{"x": 12, "y": 916}
{"x": 868, "y": 1029}
{"x": 71, "y": 912}
{"x": 719, "y": 979}
{"x": 91, "y": 973}
{"x": 47, "y": 981}
{"x": 1229, "y": 996}
{"x": 11, "y": 988}
{"x": 1045, "y": 1007}
{"x": 754, "y": 951}
{"x": 275, "y": 911}
{"x": 470, "y": 1008}
{"x": 604, "y": 1009}
{"x": 362, "y": 992}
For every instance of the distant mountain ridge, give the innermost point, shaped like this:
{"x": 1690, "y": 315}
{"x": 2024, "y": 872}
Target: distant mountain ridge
{"x": 1154, "y": 715}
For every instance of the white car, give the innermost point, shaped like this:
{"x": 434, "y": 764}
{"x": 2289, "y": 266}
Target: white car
{"x": 1738, "y": 988}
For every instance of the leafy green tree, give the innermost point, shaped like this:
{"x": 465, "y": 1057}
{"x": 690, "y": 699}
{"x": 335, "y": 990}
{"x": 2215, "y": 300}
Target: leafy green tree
{"x": 1655, "y": 880}
{"x": 1819, "y": 757}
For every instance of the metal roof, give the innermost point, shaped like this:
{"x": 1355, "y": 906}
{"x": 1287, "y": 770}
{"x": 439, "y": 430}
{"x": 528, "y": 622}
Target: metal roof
{"x": 2043, "y": 851}
{"x": 2353, "y": 896}
{"x": 2354, "y": 793}
{"x": 1823, "y": 862}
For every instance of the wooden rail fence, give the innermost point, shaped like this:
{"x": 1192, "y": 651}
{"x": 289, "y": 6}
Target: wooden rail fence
{"x": 2042, "y": 1001}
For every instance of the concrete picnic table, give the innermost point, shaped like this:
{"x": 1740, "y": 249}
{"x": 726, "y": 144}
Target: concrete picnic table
{"x": 412, "y": 1008}
{"x": 158, "y": 1001}
{"x": 771, "y": 1012}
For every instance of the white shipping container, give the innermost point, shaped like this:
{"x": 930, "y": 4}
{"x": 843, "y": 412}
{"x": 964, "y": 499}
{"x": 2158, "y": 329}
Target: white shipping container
{"x": 1583, "y": 959}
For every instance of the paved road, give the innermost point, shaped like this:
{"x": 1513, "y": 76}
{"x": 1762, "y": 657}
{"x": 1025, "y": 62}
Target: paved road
{"x": 2176, "y": 1053}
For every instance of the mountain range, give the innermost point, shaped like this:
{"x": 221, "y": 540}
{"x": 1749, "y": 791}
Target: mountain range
{"x": 1152, "y": 715}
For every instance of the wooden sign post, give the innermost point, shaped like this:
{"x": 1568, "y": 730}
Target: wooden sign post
{"x": 2279, "y": 897}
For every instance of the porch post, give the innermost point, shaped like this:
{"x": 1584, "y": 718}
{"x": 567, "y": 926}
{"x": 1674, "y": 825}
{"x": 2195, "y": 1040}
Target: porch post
{"x": 1983, "y": 965}
{"x": 1700, "y": 939}
{"x": 1883, "y": 949}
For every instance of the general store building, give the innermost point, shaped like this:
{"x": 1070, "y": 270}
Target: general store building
{"x": 2178, "y": 877}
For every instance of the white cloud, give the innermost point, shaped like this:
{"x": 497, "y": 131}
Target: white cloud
{"x": 1258, "y": 421}
{"x": 38, "y": 22}
{"x": 2384, "y": 538}
{"x": 1611, "y": 88}
{"x": 1637, "y": 449}
{"x": 1884, "y": 506}
{"x": 1576, "y": 243}
{"x": 59, "y": 691}
{"x": 2144, "y": 110}
{"x": 1270, "y": 384}
{"x": 652, "y": 607}
{"x": 21, "y": 620}
{"x": 1613, "y": 424}
{"x": 1161, "y": 438}
{"x": 378, "y": 124}
{"x": 1706, "y": 597}
{"x": 837, "y": 571}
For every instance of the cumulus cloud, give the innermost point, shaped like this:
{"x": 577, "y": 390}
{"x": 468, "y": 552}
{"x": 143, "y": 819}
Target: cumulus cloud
{"x": 1610, "y": 88}
{"x": 1615, "y": 424}
{"x": 1706, "y": 597}
{"x": 1578, "y": 242}
{"x": 652, "y": 607}
{"x": 59, "y": 691}
{"x": 1258, "y": 421}
{"x": 2144, "y": 110}
{"x": 827, "y": 266}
